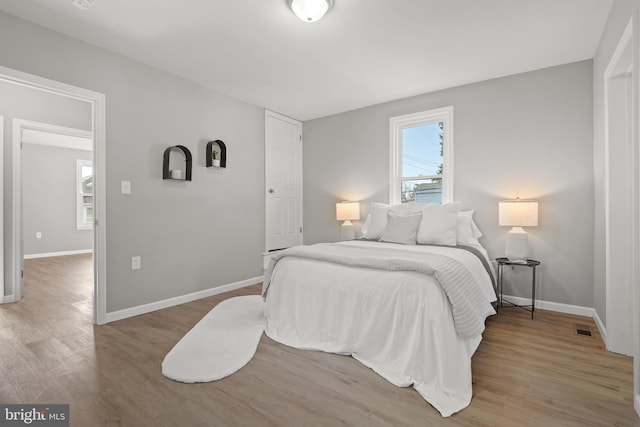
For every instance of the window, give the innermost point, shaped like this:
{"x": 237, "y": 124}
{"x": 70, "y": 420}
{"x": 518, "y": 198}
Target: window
{"x": 421, "y": 166}
{"x": 84, "y": 192}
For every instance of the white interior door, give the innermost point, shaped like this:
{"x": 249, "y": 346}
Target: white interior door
{"x": 283, "y": 181}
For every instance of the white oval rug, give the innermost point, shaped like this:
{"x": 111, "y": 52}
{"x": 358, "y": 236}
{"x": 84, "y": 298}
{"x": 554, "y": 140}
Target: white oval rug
{"x": 220, "y": 344}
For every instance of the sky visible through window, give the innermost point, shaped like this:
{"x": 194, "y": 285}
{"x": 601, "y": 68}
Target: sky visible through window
{"x": 421, "y": 150}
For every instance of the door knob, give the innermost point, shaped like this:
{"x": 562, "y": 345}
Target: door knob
{"x": 271, "y": 190}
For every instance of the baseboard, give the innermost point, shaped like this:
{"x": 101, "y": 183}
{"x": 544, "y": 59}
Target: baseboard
{"x": 553, "y": 306}
{"x": 63, "y": 253}
{"x": 159, "y": 305}
{"x": 564, "y": 308}
{"x": 600, "y": 325}
{"x": 8, "y": 299}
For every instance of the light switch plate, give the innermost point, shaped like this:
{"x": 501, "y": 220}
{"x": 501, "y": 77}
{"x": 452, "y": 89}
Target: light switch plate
{"x": 125, "y": 187}
{"x": 135, "y": 263}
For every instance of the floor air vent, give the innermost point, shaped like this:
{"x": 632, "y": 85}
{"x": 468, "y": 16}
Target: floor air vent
{"x": 584, "y": 331}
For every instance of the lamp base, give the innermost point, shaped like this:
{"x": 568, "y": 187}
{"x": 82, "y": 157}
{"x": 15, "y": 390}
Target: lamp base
{"x": 347, "y": 231}
{"x": 517, "y": 246}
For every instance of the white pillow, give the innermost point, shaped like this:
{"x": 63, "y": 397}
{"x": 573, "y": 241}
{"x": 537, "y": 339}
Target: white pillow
{"x": 377, "y": 219}
{"x": 365, "y": 225}
{"x": 465, "y": 232}
{"x": 476, "y": 231}
{"x": 401, "y": 228}
{"x": 439, "y": 224}
{"x": 464, "y": 218}
{"x": 417, "y": 206}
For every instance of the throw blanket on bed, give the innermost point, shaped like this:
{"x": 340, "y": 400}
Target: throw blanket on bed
{"x": 465, "y": 297}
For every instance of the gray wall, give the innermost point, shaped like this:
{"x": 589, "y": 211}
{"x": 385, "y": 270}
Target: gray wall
{"x": 24, "y": 103}
{"x": 191, "y": 235}
{"x": 528, "y": 135}
{"x": 49, "y": 200}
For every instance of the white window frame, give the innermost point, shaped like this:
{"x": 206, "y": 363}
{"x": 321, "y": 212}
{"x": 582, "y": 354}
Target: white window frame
{"x": 396, "y": 126}
{"x": 80, "y": 214}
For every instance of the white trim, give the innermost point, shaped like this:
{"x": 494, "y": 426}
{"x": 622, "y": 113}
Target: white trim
{"x": 553, "y": 306}
{"x": 396, "y": 124}
{"x": 564, "y": 308}
{"x": 618, "y": 318}
{"x": 75, "y": 139}
{"x": 19, "y": 128}
{"x": 636, "y": 278}
{"x": 268, "y": 113}
{"x": 170, "y": 302}
{"x": 100, "y": 208}
{"x": 62, "y": 253}
{"x": 3, "y": 299}
{"x": 16, "y": 224}
{"x": 600, "y": 325}
{"x": 98, "y": 103}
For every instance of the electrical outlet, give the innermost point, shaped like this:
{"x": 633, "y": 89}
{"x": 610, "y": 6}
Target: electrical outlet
{"x": 136, "y": 263}
{"x": 38, "y": 235}
{"x": 125, "y": 187}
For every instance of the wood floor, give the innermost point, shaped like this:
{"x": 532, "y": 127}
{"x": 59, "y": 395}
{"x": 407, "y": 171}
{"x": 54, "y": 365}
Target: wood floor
{"x": 526, "y": 372}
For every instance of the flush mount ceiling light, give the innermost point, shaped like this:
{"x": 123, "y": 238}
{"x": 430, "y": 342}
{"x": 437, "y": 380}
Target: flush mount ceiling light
{"x": 310, "y": 10}
{"x": 82, "y": 4}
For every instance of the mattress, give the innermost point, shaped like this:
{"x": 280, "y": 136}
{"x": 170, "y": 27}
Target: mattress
{"x": 398, "y": 323}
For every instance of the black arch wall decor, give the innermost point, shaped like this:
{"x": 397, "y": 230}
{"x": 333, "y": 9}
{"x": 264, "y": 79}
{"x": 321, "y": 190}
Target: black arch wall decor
{"x": 188, "y": 160}
{"x": 223, "y": 153}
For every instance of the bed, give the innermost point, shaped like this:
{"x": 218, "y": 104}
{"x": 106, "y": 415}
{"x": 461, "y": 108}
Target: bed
{"x": 414, "y": 313}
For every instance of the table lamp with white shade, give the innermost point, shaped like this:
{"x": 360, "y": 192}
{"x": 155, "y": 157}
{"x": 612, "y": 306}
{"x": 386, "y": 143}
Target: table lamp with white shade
{"x": 347, "y": 212}
{"x": 517, "y": 214}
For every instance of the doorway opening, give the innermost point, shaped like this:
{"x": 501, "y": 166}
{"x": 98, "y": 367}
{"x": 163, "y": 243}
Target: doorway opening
{"x": 12, "y": 233}
{"x": 56, "y": 170}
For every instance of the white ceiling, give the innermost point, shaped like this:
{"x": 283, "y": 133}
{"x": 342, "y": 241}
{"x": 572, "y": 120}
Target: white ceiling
{"x": 363, "y": 52}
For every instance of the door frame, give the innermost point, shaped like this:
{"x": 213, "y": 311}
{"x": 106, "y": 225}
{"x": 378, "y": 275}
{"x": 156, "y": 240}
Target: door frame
{"x": 629, "y": 41}
{"x": 2, "y": 287}
{"x": 274, "y": 115}
{"x": 98, "y": 106}
{"x": 20, "y": 125}
{"x": 618, "y": 319}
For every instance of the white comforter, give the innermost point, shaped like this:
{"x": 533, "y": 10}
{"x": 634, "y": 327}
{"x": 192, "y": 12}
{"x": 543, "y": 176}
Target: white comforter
{"x": 397, "y": 323}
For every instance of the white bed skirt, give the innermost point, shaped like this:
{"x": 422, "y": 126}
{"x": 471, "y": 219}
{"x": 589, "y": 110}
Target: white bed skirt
{"x": 397, "y": 323}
